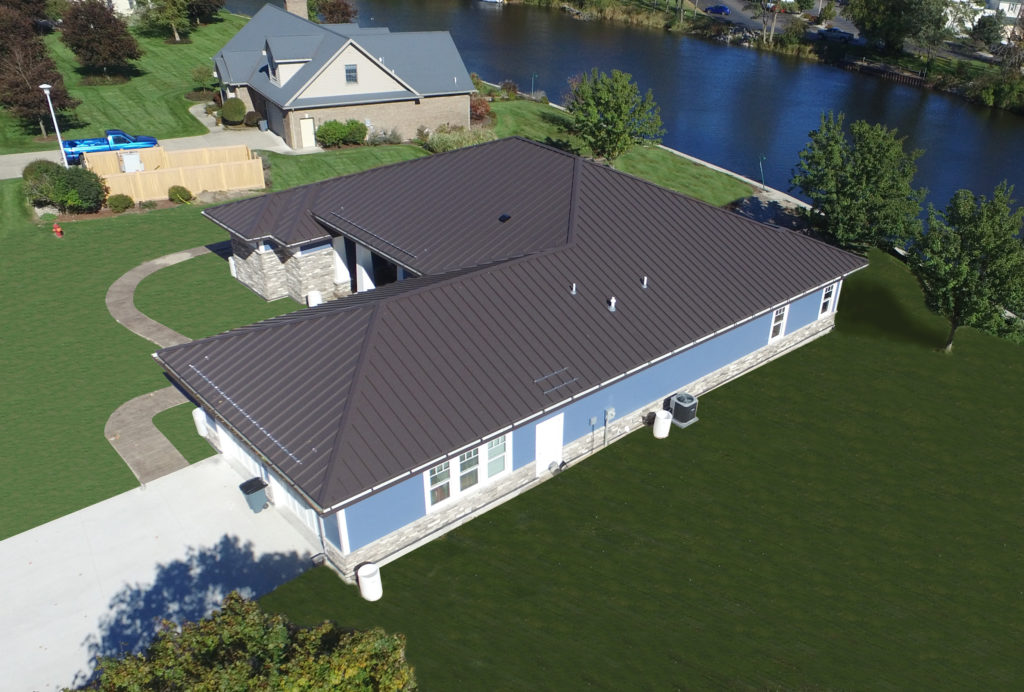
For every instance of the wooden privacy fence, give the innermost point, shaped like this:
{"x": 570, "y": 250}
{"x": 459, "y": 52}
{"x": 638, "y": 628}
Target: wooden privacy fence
{"x": 220, "y": 168}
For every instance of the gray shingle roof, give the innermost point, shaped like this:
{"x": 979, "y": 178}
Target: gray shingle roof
{"x": 427, "y": 61}
{"x": 354, "y": 393}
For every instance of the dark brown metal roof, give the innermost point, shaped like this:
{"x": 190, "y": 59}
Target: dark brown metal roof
{"x": 352, "y": 394}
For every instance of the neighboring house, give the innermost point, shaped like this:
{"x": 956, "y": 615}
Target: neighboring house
{"x": 298, "y": 75}
{"x": 551, "y": 304}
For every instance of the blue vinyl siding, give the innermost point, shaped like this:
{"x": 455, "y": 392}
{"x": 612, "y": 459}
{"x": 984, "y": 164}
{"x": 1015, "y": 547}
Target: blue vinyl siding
{"x": 380, "y": 514}
{"x": 331, "y": 530}
{"x": 666, "y": 377}
{"x": 524, "y": 445}
{"x": 803, "y": 312}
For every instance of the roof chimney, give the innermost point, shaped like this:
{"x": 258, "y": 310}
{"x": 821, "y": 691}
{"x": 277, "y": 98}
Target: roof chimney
{"x": 611, "y": 304}
{"x": 297, "y": 7}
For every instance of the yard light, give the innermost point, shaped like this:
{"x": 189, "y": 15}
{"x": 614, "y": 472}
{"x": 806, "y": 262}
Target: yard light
{"x": 60, "y": 143}
{"x": 760, "y": 164}
{"x": 532, "y": 77}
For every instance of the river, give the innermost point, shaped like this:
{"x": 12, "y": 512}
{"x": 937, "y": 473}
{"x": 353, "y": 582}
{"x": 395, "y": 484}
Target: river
{"x": 724, "y": 104}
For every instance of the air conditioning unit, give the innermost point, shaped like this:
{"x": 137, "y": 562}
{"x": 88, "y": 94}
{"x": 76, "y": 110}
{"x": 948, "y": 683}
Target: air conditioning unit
{"x": 684, "y": 409}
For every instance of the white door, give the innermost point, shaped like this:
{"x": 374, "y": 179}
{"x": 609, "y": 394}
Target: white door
{"x": 549, "y": 442}
{"x": 307, "y": 133}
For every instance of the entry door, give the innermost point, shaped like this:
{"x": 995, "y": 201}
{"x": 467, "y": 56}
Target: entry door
{"x": 549, "y": 442}
{"x": 306, "y": 133}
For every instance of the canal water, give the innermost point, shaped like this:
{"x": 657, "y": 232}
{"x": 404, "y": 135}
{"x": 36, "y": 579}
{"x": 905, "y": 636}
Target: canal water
{"x": 728, "y": 105}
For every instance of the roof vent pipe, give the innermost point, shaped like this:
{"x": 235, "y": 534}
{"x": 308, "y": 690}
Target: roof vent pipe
{"x": 611, "y": 304}
{"x": 643, "y": 284}
{"x": 572, "y": 289}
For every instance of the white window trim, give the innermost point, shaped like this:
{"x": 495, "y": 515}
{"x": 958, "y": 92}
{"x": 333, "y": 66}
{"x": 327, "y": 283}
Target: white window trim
{"x": 455, "y": 474}
{"x": 784, "y": 310}
{"x": 313, "y": 248}
{"x": 355, "y": 69}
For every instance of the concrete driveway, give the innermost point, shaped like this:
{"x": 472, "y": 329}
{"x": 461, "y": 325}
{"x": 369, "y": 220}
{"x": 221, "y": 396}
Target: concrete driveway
{"x": 98, "y": 582}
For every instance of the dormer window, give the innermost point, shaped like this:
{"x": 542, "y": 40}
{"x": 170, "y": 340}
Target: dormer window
{"x": 351, "y": 74}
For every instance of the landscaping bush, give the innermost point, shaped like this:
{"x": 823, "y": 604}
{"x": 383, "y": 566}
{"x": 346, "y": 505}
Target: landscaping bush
{"x": 509, "y": 90}
{"x": 74, "y": 190}
{"x": 378, "y": 137}
{"x": 233, "y": 111}
{"x": 179, "y": 194}
{"x": 479, "y": 108}
{"x": 120, "y": 203}
{"x": 40, "y": 179}
{"x": 447, "y": 139}
{"x": 334, "y": 134}
{"x": 252, "y": 119}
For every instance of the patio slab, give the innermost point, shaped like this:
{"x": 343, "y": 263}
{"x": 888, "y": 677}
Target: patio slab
{"x": 100, "y": 580}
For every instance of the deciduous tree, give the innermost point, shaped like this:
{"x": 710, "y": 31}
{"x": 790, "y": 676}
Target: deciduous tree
{"x": 24, "y": 65}
{"x": 163, "y": 15}
{"x": 609, "y": 114}
{"x": 203, "y": 11}
{"x": 243, "y": 648}
{"x": 861, "y": 186}
{"x": 332, "y": 11}
{"x": 98, "y": 37}
{"x": 893, "y": 21}
{"x": 970, "y": 262}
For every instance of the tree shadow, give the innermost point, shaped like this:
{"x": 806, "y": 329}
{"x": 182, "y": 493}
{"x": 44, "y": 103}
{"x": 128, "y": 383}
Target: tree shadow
{"x": 769, "y": 212}
{"x": 875, "y": 310}
{"x": 184, "y": 590}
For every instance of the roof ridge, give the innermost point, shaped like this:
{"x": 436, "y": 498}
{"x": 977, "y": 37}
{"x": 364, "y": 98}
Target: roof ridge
{"x": 353, "y": 393}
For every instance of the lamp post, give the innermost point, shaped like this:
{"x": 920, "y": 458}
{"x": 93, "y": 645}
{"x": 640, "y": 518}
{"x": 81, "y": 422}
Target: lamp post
{"x": 60, "y": 143}
{"x": 532, "y": 77}
{"x": 760, "y": 164}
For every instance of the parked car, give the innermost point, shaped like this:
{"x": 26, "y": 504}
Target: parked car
{"x": 834, "y": 34}
{"x": 115, "y": 140}
{"x": 718, "y": 9}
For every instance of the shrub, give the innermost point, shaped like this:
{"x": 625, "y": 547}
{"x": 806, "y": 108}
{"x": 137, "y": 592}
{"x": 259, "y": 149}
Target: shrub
{"x": 120, "y": 203}
{"x": 218, "y": 100}
{"x": 179, "y": 194}
{"x": 148, "y": 204}
{"x": 479, "y": 108}
{"x": 509, "y": 90}
{"x": 79, "y": 190}
{"x": 233, "y": 111}
{"x": 252, "y": 119}
{"x": 378, "y": 137}
{"x": 334, "y": 134}
{"x": 447, "y": 139}
{"x": 40, "y": 178}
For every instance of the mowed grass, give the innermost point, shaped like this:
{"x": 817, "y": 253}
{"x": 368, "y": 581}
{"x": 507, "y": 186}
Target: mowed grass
{"x": 65, "y": 364}
{"x": 547, "y": 124}
{"x": 847, "y": 517}
{"x": 177, "y": 425}
{"x": 288, "y": 171}
{"x": 152, "y": 103}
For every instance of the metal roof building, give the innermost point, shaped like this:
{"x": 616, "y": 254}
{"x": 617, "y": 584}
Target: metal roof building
{"x": 517, "y": 254}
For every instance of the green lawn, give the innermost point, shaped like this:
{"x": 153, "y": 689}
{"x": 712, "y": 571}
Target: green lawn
{"x": 847, "y": 517}
{"x": 288, "y": 171}
{"x": 177, "y": 426}
{"x": 152, "y": 104}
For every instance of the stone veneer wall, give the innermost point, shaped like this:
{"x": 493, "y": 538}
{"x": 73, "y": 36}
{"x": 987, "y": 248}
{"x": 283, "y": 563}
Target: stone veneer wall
{"x": 262, "y": 272}
{"x": 436, "y": 524}
{"x": 310, "y": 272}
{"x": 404, "y": 116}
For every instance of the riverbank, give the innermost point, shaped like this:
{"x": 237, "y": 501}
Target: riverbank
{"x": 950, "y": 70}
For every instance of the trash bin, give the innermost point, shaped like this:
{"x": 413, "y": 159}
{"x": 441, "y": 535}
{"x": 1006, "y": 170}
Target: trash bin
{"x": 370, "y": 586}
{"x": 255, "y": 491}
{"x": 662, "y": 424}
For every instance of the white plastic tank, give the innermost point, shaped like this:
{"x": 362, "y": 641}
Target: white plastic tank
{"x": 662, "y": 424}
{"x": 370, "y": 586}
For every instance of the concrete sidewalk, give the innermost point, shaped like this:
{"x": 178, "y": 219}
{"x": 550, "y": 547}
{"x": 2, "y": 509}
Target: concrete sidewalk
{"x": 98, "y": 581}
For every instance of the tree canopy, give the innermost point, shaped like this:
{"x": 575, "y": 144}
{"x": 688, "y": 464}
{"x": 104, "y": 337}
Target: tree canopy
{"x": 861, "y": 186}
{"x": 331, "y": 11}
{"x": 241, "y": 647}
{"x": 970, "y": 262}
{"x": 98, "y": 37}
{"x": 609, "y": 114}
{"x": 162, "y": 15}
{"x": 894, "y": 21}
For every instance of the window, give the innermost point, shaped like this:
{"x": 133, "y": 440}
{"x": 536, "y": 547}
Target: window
{"x": 495, "y": 457}
{"x": 351, "y": 74}
{"x": 778, "y": 323}
{"x": 829, "y": 298}
{"x": 469, "y": 468}
{"x": 440, "y": 488}
{"x": 474, "y": 468}
{"x": 314, "y": 247}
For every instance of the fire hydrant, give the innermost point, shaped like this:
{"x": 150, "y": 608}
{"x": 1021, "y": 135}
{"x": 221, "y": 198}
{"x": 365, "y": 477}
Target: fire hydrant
{"x": 58, "y": 231}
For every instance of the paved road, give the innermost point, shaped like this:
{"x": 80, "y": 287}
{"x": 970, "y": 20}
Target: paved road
{"x": 11, "y": 165}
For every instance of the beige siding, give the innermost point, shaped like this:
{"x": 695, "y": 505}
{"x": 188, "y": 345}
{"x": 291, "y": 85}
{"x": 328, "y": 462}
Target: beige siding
{"x": 374, "y": 78}
{"x": 287, "y": 70}
{"x": 404, "y": 116}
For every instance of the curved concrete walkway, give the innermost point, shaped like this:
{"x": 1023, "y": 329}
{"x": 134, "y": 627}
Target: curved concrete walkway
{"x": 130, "y": 428}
